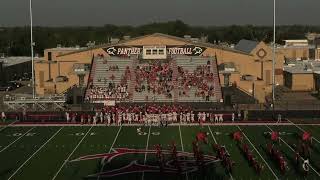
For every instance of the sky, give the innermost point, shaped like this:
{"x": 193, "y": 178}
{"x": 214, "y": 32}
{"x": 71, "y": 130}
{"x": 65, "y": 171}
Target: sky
{"x": 138, "y": 12}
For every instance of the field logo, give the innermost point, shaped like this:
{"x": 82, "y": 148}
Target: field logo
{"x": 186, "y": 160}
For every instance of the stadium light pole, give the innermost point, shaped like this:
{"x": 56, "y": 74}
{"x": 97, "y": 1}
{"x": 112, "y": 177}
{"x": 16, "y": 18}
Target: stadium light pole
{"x": 31, "y": 46}
{"x": 274, "y": 52}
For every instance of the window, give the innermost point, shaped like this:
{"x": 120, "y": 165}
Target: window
{"x": 161, "y": 51}
{"x": 49, "y": 56}
{"x": 154, "y": 51}
{"x": 148, "y": 52}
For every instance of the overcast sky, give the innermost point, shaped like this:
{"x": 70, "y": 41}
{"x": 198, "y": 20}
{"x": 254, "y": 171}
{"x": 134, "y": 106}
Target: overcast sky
{"x": 137, "y": 12}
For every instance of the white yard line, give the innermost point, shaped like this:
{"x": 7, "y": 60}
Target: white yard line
{"x": 182, "y": 147}
{"x": 215, "y": 141}
{"x": 16, "y": 140}
{"x": 145, "y": 155}
{"x": 114, "y": 141}
{"x": 302, "y": 130}
{"x": 181, "y": 141}
{"x": 294, "y": 151}
{"x": 258, "y": 152}
{"x": 8, "y": 125}
{"x": 66, "y": 160}
{"x": 43, "y": 145}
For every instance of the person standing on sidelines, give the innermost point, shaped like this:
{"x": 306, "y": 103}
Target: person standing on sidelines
{"x": 233, "y": 116}
{"x": 216, "y": 119}
{"x": 279, "y": 118}
{"x": 95, "y": 118}
{"x": 220, "y": 118}
{"x": 239, "y": 115}
{"x": 102, "y": 117}
{"x": 192, "y": 117}
{"x": 67, "y": 116}
{"x": 3, "y": 116}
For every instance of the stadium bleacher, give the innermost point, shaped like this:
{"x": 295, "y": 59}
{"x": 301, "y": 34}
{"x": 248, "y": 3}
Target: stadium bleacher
{"x": 178, "y": 79}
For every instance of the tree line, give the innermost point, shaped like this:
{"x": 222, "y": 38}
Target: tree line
{"x": 15, "y": 41}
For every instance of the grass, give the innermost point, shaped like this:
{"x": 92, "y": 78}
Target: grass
{"x": 46, "y": 152}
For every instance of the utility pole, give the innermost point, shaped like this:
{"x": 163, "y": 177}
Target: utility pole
{"x": 274, "y": 52}
{"x": 31, "y": 46}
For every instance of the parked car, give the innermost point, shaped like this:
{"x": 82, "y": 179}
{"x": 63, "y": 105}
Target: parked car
{"x": 15, "y": 84}
{"x": 6, "y": 88}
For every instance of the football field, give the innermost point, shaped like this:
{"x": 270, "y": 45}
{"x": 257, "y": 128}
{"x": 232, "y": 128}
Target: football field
{"x": 120, "y": 152}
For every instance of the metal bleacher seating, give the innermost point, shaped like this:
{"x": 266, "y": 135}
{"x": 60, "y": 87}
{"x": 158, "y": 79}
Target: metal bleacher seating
{"x": 102, "y": 75}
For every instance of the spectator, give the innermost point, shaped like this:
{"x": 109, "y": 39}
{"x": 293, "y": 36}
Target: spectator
{"x": 67, "y": 116}
{"x": 3, "y": 116}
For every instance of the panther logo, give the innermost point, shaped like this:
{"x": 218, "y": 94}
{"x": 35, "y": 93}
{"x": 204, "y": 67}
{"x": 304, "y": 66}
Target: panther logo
{"x": 197, "y": 50}
{"x": 111, "y": 51}
{"x": 187, "y": 162}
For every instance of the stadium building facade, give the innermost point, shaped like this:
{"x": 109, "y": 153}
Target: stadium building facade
{"x": 248, "y": 66}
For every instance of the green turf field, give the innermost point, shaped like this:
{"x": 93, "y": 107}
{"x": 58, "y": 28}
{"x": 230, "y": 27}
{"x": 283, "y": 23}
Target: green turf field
{"x": 40, "y": 153}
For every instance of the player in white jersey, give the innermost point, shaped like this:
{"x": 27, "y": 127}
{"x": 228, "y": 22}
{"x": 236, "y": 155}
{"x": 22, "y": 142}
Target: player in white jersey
{"x": 125, "y": 117}
{"x": 101, "y": 117}
{"x": 232, "y": 117}
{"x": 171, "y": 117}
{"x": 109, "y": 119}
{"x": 204, "y": 117}
{"x": 175, "y": 116}
{"x": 113, "y": 117}
{"x": 156, "y": 119}
{"x": 188, "y": 117}
{"x": 199, "y": 116}
{"x": 129, "y": 117}
{"x": 220, "y": 117}
{"x": 67, "y": 116}
{"x": 144, "y": 119}
{"x": 136, "y": 118}
{"x": 94, "y": 120}
{"x": 192, "y": 116}
{"x": 119, "y": 118}
{"x": 216, "y": 119}
{"x": 97, "y": 115}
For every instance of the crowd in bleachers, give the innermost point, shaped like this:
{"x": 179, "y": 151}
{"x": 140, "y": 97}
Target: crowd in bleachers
{"x": 155, "y": 78}
{"x": 113, "y": 92}
{"x": 160, "y": 80}
{"x": 201, "y": 78}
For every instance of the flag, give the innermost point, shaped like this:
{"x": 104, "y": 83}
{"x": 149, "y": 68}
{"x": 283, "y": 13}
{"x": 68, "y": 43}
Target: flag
{"x": 306, "y": 136}
{"x": 274, "y": 136}
{"x": 237, "y": 136}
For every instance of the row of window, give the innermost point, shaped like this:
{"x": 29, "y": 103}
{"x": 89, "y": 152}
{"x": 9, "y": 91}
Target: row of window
{"x": 154, "y": 51}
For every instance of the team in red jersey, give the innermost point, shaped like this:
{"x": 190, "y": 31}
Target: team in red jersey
{"x": 237, "y": 136}
{"x": 276, "y": 155}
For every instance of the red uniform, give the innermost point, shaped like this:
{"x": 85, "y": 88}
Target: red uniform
{"x": 201, "y": 136}
{"x": 274, "y": 136}
{"x": 237, "y": 136}
{"x": 306, "y": 136}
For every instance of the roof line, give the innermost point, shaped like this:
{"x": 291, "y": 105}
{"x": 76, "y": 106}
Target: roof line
{"x": 156, "y": 34}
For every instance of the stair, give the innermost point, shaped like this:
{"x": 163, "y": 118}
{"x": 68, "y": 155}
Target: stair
{"x": 174, "y": 67}
{"x": 217, "y": 85}
{"x": 91, "y": 75}
{"x": 132, "y": 83}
